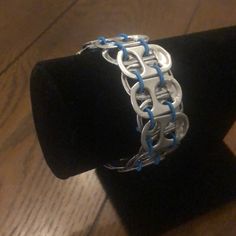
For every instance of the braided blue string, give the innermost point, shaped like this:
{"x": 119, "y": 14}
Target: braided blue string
{"x": 124, "y": 36}
{"x": 151, "y": 117}
{"x": 172, "y": 109}
{"x": 146, "y": 47}
{"x": 121, "y": 47}
{"x": 140, "y": 80}
{"x": 102, "y": 40}
{"x": 161, "y": 76}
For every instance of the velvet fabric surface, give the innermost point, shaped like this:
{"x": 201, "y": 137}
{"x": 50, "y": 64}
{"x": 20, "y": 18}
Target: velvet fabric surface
{"x": 84, "y": 118}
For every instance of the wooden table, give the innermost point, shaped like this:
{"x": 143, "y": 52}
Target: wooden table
{"x": 32, "y": 200}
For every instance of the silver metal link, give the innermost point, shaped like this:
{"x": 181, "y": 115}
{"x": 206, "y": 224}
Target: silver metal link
{"x": 159, "y": 107}
{"x": 161, "y": 92}
{"x": 133, "y": 40}
{"x": 164, "y": 127}
{"x": 140, "y": 120}
{"x": 159, "y": 55}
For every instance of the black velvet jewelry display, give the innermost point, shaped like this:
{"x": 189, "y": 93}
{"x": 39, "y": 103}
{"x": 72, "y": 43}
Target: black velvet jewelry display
{"x": 84, "y": 117}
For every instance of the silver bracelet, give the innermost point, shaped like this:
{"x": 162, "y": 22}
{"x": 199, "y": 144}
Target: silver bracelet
{"x": 155, "y": 95}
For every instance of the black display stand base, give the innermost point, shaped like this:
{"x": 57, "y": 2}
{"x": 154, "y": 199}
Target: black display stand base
{"x": 181, "y": 188}
{"x": 84, "y": 118}
{"x": 201, "y": 174}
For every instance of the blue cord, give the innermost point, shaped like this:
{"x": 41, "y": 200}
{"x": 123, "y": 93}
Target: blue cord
{"x": 172, "y": 109}
{"x": 146, "y": 47}
{"x": 151, "y": 117}
{"x": 159, "y": 72}
{"x": 121, "y": 47}
{"x": 102, "y": 40}
{"x": 124, "y": 36}
{"x": 157, "y": 159}
{"x": 140, "y": 80}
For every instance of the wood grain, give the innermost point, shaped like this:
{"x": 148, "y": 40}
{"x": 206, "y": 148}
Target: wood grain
{"x": 23, "y": 22}
{"x": 212, "y": 14}
{"x": 230, "y": 138}
{"x": 108, "y": 222}
{"x": 32, "y": 200}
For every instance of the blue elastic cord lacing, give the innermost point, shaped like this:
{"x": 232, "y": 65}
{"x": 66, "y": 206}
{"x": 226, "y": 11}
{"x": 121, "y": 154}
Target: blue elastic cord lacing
{"x": 140, "y": 80}
{"x": 121, "y": 47}
{"x": 146, "y": 47}
{"x": 172, "y": 109}
{"x": 102, "y": 40}
{"x": 151, "y": 117}
{"x": 157, "y": 159}
{"x": 124, "y": 36}
{"x": 159, "y": 72}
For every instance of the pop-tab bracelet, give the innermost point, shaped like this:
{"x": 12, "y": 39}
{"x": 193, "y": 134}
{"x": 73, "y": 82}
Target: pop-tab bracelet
{"x": 156, "y": 96}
